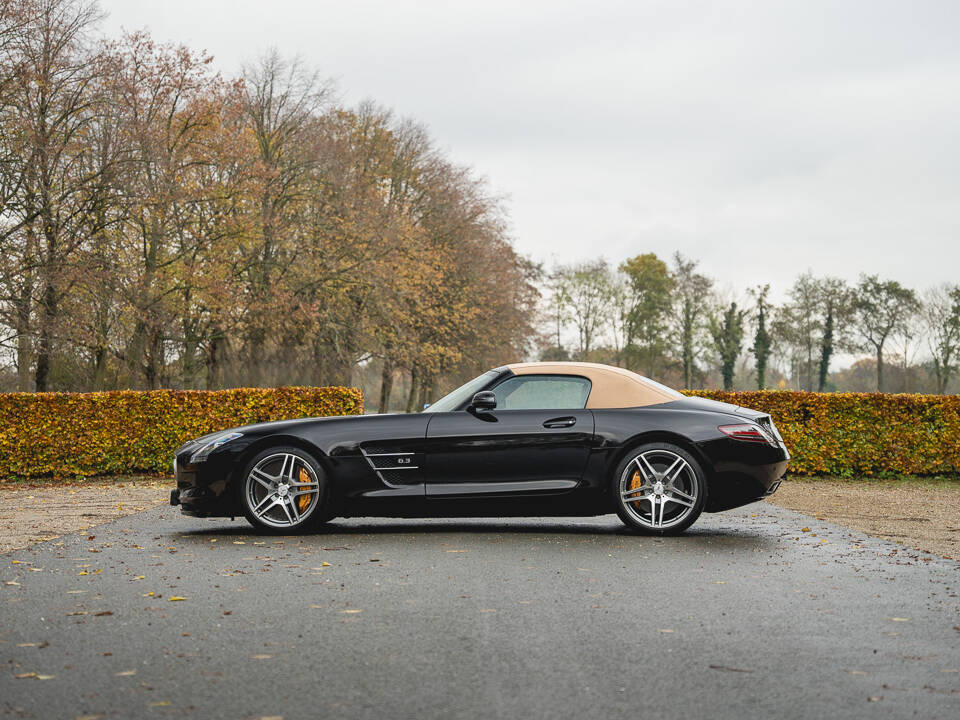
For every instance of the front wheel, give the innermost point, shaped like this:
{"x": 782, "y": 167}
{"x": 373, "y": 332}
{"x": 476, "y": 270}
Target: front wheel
{"x": 282, "y": 490}
{"x": 659, "y": 489}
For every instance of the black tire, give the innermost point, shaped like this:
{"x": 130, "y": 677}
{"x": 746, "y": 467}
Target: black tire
{"x": 266, "y": 497}
{"x": 669, "y": 505}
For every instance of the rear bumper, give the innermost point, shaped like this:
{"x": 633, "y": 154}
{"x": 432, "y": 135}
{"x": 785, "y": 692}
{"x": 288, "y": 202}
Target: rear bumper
{"x": 743, "y": 473}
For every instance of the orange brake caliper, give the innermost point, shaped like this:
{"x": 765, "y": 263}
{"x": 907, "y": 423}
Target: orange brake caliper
{"x": 635, "y": 482}
{"x": 303, "y": 502}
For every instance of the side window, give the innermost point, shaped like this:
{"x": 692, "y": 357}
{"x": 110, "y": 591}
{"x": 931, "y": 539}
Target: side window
{"x": 542, "y": 392}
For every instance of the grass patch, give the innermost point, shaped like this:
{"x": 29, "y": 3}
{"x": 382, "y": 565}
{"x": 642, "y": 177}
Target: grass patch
{"x": 157, "y": 480}
{"x": 929, "y": 481}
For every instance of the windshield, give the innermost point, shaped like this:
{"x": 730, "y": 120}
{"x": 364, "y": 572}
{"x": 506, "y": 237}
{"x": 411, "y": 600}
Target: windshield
{"x": 455, "y": 399}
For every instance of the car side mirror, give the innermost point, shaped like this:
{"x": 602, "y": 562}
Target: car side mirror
{"x": 483, "y": 400}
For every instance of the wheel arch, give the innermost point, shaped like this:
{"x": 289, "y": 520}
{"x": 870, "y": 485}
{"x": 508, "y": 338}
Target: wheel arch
{"x": 665, "y": 436}
{"x": 268, "y": 441}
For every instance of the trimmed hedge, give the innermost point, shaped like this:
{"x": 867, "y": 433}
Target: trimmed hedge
{"x": 105, "y": 433}
{"x": 860, "y": 433}
{"x": 76, "y": 434}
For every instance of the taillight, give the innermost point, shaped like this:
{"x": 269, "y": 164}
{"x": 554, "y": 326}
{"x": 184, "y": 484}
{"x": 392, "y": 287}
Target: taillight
{"x": 748, "y": 432}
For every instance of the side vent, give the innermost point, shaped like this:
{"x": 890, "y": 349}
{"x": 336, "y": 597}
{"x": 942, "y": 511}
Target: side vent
{"x": 394, "y": 468}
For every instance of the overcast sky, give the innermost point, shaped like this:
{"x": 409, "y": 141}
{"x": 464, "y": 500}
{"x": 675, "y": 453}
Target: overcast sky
{"x": 762, "y": 138}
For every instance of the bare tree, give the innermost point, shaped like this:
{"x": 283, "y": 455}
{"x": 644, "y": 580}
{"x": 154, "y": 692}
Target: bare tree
{"x": 585, "y": 289}
{"x": 53, "y": 92}
{"x": 941, "y": 316}
{"x": 691, "y": 302}
{"x": 883, "y": 309}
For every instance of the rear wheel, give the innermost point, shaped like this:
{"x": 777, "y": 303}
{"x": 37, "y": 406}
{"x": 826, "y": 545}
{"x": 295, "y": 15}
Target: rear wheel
{"x": 282, "y": 490}
{"x": 659, "y": 489}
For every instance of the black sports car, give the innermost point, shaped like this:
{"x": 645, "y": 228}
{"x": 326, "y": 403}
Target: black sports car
{"x": 529, "y": 439}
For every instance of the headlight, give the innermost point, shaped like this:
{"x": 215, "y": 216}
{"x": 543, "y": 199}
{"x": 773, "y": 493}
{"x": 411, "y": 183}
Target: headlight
{"x": 201, "y": 454}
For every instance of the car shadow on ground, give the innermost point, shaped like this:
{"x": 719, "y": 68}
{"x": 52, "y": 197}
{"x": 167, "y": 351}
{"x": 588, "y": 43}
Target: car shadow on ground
{"x": 747, "y": 538}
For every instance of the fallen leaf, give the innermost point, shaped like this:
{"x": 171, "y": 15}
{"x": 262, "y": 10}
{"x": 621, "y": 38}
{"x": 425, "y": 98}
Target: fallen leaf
{"x": 326, "y": 564}
{"x": 899, "y": 619}
{"x": 45, "y": 677}
{"x": 806, "y": 529}
{"x": 126, "y": 673}
{"x": 351, "y": 612}
{"x": 24, "y": 676}
{"x": 175, "y": 598}
{"x": 103, "y": 613}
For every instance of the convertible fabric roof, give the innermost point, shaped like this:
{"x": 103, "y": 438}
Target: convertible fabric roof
{"x": 611, "y": 387}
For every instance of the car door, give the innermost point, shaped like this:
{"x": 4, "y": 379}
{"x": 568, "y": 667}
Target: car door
{"x": 537, "y": 440}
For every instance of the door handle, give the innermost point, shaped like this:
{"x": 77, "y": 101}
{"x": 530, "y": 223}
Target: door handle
{"x": 560, "y": 422}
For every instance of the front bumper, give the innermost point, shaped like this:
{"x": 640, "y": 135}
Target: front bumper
{"x": 205, "y": 489}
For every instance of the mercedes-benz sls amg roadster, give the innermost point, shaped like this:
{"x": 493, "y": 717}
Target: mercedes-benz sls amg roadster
{"x": 529, "y": 439}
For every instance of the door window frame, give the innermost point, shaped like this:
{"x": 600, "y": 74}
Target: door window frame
{"x": 542, "y": 376}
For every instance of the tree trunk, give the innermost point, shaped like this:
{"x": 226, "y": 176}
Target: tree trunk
{"x": 24, "y": 342}
{"x": 826, "y": 351}
{"x": 216, "y": 351}
{"x": 134, "y": 352}
{"x": 99, "y": 367}
{"x": 414, "y": 392}
{"x": 154, "y": 359}
{"x": 879, "y": 368}
{"x": 48, "y": 315}
{"x": 728, "y": 370}
{"x": 386, "y": 386}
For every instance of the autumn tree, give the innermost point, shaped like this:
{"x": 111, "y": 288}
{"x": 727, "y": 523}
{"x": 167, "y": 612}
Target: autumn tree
{"x": 53, "y": 92}
{"x": 283, "y": 102}
{"x": 649, "y": 287}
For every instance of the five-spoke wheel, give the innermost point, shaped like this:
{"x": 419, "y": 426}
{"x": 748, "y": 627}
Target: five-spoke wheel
{"x": 282, "y": 490}
{"x": 659, "y": 489}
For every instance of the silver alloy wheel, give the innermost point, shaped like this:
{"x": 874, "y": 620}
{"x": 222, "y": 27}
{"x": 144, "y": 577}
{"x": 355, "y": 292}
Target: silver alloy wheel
{"x": 667, "y": 490}
{"x": 276, "y": 487}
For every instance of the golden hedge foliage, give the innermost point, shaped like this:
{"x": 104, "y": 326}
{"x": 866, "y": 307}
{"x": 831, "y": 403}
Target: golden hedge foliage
{"x": 104, "y": 433}
{"x": 70, "y": 434}
{"x": 860, "y": 433}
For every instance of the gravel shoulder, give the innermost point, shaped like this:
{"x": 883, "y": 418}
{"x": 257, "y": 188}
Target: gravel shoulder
{"x": 919, "y": 513}
{"x": 35, "y": 512}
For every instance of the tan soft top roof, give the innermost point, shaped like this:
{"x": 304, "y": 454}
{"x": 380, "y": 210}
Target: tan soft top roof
{"x": 611, "y": 387}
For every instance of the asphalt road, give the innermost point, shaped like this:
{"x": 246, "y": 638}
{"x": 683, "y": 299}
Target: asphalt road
{"x": 745, "y": 616}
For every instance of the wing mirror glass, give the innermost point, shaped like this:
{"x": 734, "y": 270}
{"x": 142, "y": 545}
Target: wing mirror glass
{"x": 483, "y": 400}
